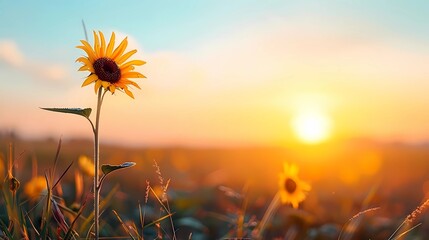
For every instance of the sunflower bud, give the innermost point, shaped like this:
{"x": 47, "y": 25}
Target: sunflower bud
{"x": 13, "y": 184}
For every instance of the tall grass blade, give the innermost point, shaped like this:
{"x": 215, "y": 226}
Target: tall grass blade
{"x": 32, "y": 225}
{"x": 4, "y": 228}
{"x": 158, "y": 220}
{"x": 46, "y": 211}
{"x": 70, "y": 231}
{"x": 407, "y": 231}
{"x": 57, "y": 156}
{"x": 123, "y": 224}
{"x": 62, "y": 175}
{"x": 86, "y": 225}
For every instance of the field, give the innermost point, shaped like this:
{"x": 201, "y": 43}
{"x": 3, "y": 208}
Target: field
{"x": 363, "y": 188}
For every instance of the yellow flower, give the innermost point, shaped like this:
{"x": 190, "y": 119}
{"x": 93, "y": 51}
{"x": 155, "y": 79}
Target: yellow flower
{"x": 108, "y": 68}
{"x": 35, "y": 187}
{"x": 292, "y": 189}
{"x": 86, "y": 166}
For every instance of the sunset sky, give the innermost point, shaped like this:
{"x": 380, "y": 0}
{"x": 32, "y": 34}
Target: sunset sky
{"x": 222, "y": 73}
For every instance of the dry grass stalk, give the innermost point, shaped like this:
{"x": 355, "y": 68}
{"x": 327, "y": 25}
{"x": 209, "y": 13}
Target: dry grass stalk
{"x": 363, "y": 212}
{"x": 359, "y": 214}
{"x": 417, "y": 212}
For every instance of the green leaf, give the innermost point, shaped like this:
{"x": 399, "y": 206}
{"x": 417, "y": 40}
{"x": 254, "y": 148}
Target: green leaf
{"x": 107, "y": 168}
{"x": 86, "y": 112}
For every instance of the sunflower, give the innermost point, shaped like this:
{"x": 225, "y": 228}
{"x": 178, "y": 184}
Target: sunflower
{"x": 35, "y": 187}
{"x": 291, "y": 188}
{"x": 108, "y": 68}
{"x": 86, "y": 165}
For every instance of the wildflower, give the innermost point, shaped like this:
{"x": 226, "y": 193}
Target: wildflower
{"x": 108, "y": 68}
{"x": 35, "y": 187}
{"x": 86, "y": 166}
{"x": 292, "y": 189}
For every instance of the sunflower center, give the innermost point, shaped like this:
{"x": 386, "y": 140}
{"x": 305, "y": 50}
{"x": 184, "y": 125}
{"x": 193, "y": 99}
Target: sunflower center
{"x": 290, "y": 185}
{"x": 107, "y": 70}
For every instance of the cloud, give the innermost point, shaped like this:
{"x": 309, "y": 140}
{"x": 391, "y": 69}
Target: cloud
{"x": 50, "y": 72}
{"x": 12, "y": 56}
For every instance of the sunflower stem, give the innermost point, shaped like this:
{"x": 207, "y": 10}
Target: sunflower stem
{"x": 97, "y": 188}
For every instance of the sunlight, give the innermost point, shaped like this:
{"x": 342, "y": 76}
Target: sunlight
{"x": 311, "y": 127}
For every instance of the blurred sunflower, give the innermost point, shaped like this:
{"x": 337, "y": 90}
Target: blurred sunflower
{"x": 108, "y": 68}
{"x": 292, "y": 189}
{"x": 86, "y": 166}
{"x": 35, "y": 187}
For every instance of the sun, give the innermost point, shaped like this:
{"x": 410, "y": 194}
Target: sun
{"x": 311, "y": 127}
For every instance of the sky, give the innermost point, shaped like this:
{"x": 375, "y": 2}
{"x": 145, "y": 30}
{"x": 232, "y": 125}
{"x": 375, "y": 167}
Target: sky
{"x": 222, "y": 73}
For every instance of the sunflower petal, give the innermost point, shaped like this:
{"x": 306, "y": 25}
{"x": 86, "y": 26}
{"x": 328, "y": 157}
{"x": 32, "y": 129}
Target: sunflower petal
{"x": 103, "y": 43}
{"x": 133, "y": 75}
{"x": 294, "y": 204}
{"x": 97, "y": 85}
{"x": 124, "y": 57}
{"x": 105, "y": 84}
{"x": 86, "y": 68}
{"x": 83, "y": 60}
{"x": 120, "y": 49}
{"x": 110, "y": 45}
{"x": 126, "y": 81}
{"x": 90, "y": 79}
{"x": 96, "y": 45}
{"x": 127, "y": 69}
{"x": 133, "y": 62}
{"x": 128, "y": 92}
{"x": 305, "y": 186}
{"x": 88, "y": 49}
{"x": 112, "y": 88}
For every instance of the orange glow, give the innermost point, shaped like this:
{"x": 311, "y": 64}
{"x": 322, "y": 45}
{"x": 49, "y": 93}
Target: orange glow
{"x": 311, "y": 127}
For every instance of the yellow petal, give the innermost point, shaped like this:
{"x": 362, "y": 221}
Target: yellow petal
{"x": 105, "y": 84}
{"x": 103, "y": 44}
{"x": 133, "y": 62}
{"x": 128, "y": 92}
{"x": 86, "y": 45}
{"x": 127, "y": 69}
{"x": 124, "y": 57}
{"x": 86, "y": 68}
{"x": 96, "y": 45}
{"x": 112, "y": 88}
{"x": 90, "y": 80}
{"x": 110, "y": 45}
{"x": 120, "y": 49}
{"x": 294, "y": 204}
{"x": 132, "y": 75}
{"x": 83, "y": 60}
{"x": 89, "y": 51}
{"x": 126, "y": 81}
{"x": 97, "y": 86}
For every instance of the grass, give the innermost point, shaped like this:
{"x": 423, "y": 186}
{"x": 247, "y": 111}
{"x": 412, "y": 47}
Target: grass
{"x": 50, "y": 218}
{"x": 203, "y": 200}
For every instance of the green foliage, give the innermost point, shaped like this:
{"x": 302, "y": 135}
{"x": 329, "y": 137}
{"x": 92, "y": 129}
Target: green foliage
{"x": 85, "y": 112}
{"x": 108, "y": 168}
